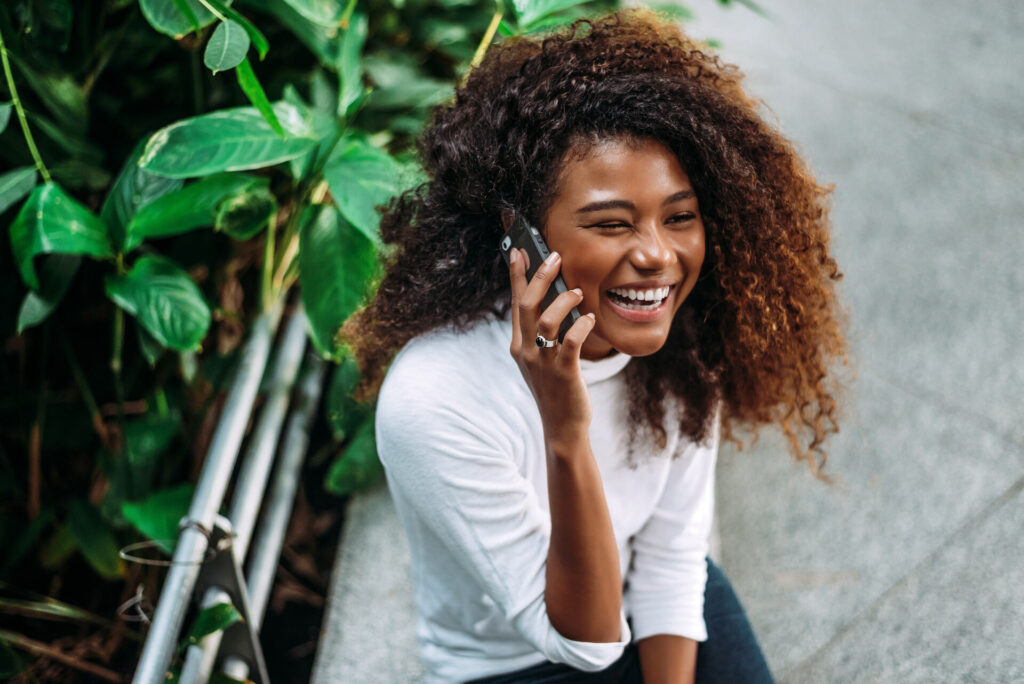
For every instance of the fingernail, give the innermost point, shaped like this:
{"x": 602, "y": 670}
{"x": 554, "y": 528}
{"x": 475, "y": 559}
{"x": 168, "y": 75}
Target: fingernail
{"x": 552, "y": 258}
{"x": 591, "y": 316}
{"x": 513, "y": 256}
{"x": 578, "y": 291}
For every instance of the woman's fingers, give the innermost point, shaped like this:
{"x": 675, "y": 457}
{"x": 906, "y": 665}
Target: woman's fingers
{"x": 576, "y": 336}
{"x": 517, "y": 274}
{"x": 541, "y": 280}
{"x": 551, "y": 318}
{"x": 528, "y": 321}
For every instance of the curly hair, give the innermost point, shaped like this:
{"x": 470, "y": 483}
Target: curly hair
{"x": 757, "y": 335}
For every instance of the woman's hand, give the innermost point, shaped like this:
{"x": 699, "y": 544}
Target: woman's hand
{"x": 552, "y": 373}
{"x": 583, "y": 592}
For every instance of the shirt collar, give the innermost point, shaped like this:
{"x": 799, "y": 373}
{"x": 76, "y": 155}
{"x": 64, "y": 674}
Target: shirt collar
{"x": 602, "y": 369}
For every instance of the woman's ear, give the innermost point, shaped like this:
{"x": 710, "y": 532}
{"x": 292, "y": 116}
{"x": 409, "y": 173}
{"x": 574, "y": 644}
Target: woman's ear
{"x": 507, "y": 216}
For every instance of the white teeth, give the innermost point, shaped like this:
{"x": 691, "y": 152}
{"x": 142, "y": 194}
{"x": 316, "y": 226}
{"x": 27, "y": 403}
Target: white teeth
{"x": 651, "y": 295}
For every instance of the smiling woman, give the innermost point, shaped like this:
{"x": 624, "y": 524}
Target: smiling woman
{"x": 627, "y": 222}
{"x": 558, "y": 496}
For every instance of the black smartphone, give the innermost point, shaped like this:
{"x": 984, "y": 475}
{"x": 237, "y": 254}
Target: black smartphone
{"x": 523, "y": 236}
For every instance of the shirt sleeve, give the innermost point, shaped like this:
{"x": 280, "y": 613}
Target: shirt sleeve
{"x": 669, "y": 568}
{"x": 453, "y": 465}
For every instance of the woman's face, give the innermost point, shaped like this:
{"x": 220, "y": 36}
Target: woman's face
{"x": 626, "y": 222}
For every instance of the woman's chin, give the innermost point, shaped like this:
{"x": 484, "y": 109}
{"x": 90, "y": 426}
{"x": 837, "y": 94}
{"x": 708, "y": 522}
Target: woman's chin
{"x": 635, "y": 345}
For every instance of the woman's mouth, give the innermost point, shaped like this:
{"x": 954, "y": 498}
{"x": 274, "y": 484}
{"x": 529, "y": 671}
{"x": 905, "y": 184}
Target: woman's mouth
{"x": 639, "y": 305}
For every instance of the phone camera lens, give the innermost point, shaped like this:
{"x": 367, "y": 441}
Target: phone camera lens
{"x": 506, "y": 243}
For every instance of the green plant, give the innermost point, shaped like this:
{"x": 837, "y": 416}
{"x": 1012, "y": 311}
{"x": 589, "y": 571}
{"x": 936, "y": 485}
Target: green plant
{"x": 170, "y": 168}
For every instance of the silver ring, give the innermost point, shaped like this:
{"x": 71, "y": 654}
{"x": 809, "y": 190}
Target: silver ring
{"x": 544, "y": 342}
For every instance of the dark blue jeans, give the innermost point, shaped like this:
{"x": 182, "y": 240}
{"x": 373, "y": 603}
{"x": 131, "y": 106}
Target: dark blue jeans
{"x": 731, "y": 653}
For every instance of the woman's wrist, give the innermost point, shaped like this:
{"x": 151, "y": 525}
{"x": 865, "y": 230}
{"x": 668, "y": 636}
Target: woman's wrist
{"x": 567, "y": 442}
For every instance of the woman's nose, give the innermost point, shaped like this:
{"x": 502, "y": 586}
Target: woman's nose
{"x": 653, "y": 251}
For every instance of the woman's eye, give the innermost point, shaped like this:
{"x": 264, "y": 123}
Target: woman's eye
{"x": 616, "y": 224}
{"x": 682, "y": 218}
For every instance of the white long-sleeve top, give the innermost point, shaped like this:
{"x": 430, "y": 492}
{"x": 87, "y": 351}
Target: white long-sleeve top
{"x": 461, "y": 440}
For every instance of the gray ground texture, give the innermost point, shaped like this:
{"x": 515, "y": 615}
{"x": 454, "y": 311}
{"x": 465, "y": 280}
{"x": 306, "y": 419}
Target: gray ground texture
{"x": 910, "y": 568}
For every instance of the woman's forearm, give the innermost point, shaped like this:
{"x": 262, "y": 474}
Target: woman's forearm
{"x": 668, "y": 659}
{"x": 584, "y": 583}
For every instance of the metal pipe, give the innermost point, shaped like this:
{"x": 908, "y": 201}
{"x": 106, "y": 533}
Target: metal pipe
{"x": 252, "y": 480}
{"x": 252, "y": 476}
{"x": 199, "y": 658}
{"x": 270, "y": 536}
{"x": 192, "y": 540}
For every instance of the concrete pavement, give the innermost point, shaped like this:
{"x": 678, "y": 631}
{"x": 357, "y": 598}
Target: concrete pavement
{"x": 912, "y": 569}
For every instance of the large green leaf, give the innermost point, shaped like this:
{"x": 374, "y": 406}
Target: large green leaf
{"x": 158, "y": 516}
{"x": 226, "y": 47}
{"x": 134, "y": 189}
{"x": 146, "y": 439}
{"x": 350, "y": 68}
{"x": 51, "y": 222}
{"x": 358, "y": 467}
{"x": 150, "y": 347}
{"x": 321, "y": 40}
{"x": 165, "y": 301}
{"x": 165, "y": 17}
{"x": 323, "y": 122}
{"x": 95, "y": 539}
{"x": 57, "y": 548}
{"x": 73, "y": 142}
{"x": 529, "y": 12}
{"x": 402, "y": 84}
{"x": 55, "y": 276}
{"x": 187, "y": 208}
{"x": 343, "y": 412}
{"x": 227, "y": 140}
{"x": 186, "y": 11}
{"x": 244, "y": 214}
{"x": 60, "y": 93}
{"x": 361, "y": 177}
{"x": 337, "y": 264}
{"x": 16, "y": 184}
{"x": 323, "y": 12}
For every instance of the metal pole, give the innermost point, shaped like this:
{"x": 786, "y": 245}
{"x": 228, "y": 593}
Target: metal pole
{"x": 252, "y": 481}
{"x": 270, "y": 536}
{"x": 192, "y": 540}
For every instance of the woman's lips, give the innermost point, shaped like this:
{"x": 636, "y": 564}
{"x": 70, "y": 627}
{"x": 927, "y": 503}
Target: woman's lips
{"x": 639, "y": 315}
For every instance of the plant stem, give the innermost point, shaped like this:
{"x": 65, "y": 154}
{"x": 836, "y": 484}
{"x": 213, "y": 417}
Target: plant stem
{"x": 116, "y": 367}
{"x": 213, "y": 10}
{"x": 347, "y": 14}
{"x": 161, "y": 401}
{"x": 115, "y": 359}
{"x": 268, "y": 263}
{"x": 39, "y": 648}
{"x": 485, "y": 42}
{"x": 35, "y": 442}
{"x": 291, "y": 250}
{"x": 29, "y": 140}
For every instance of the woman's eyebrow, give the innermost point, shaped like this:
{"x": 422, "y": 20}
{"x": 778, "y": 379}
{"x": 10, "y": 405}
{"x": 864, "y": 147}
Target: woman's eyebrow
{"x": 626, "y": 204}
